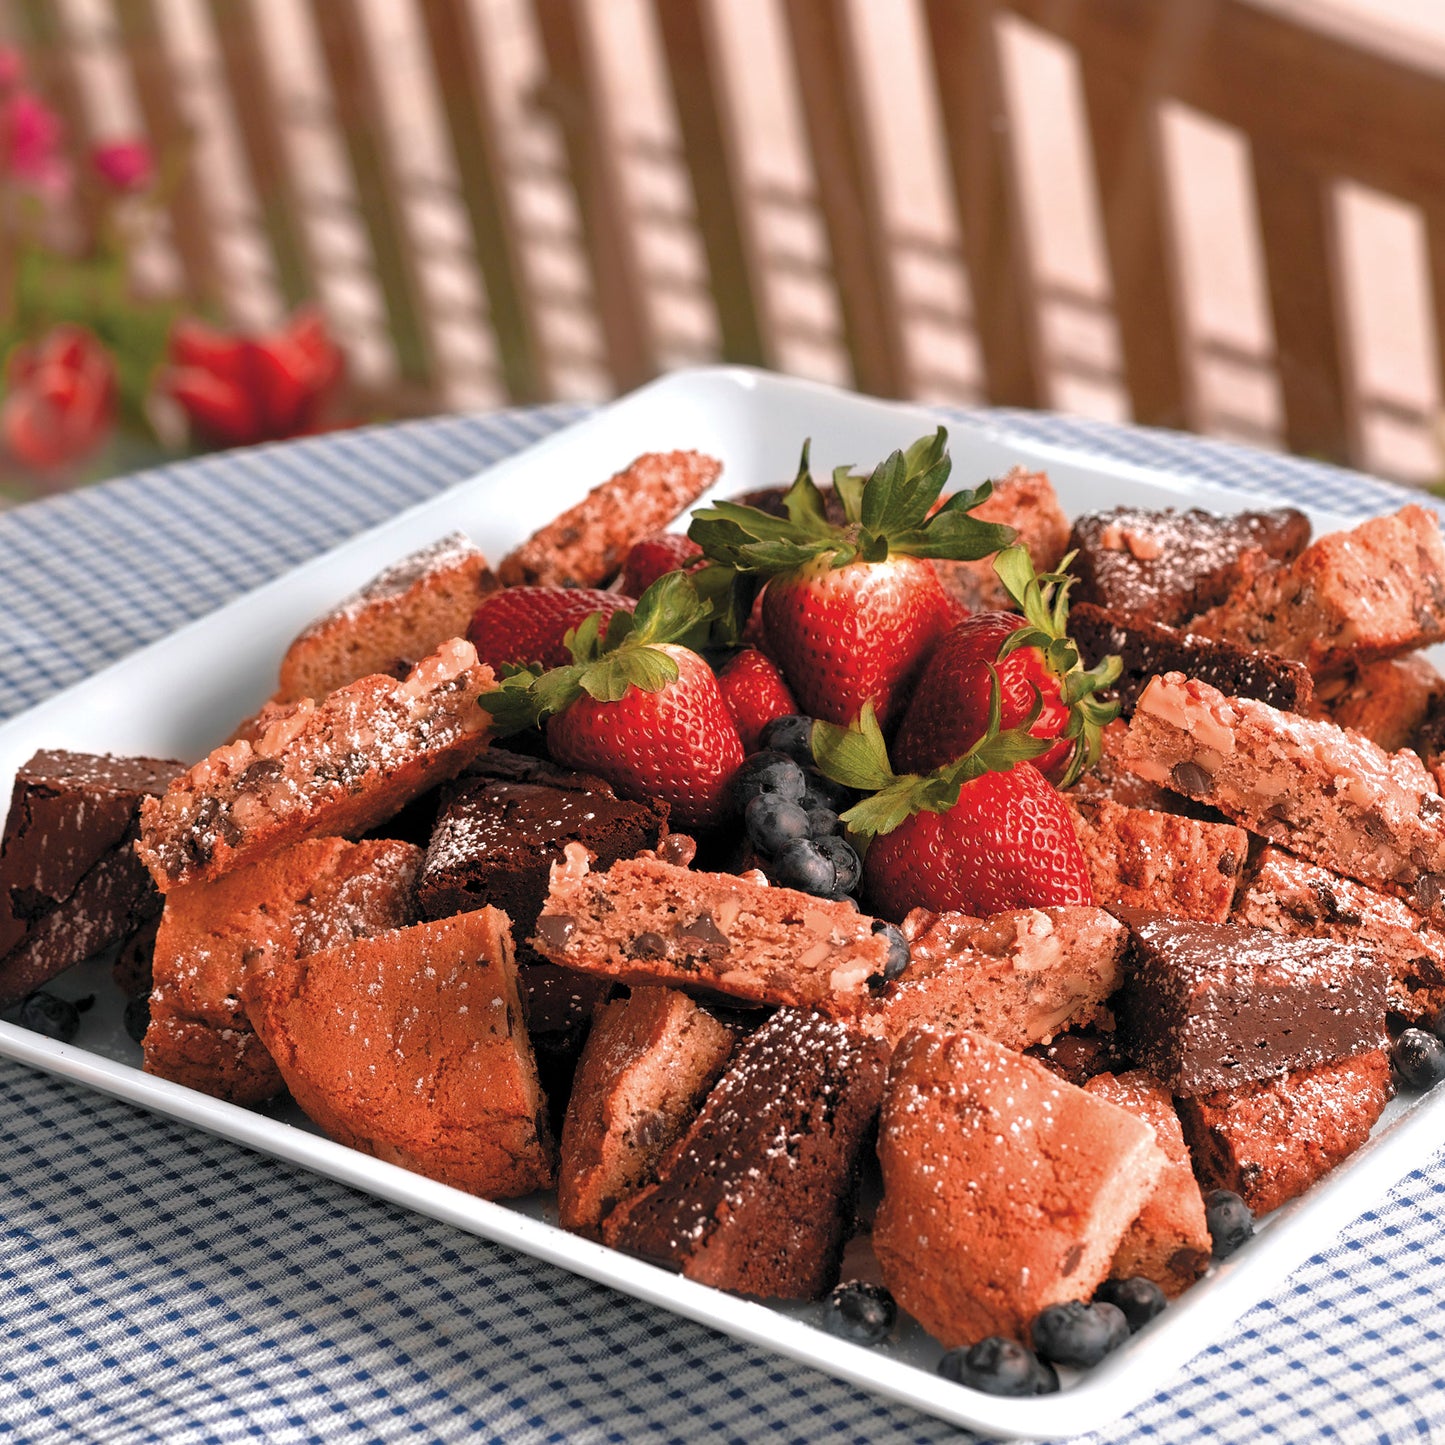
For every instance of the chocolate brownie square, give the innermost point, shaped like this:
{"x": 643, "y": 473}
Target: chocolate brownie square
{"x": 1209, "y": 1006}
{"x": 1168, "y": 566}
{"x": 70, "y": 883}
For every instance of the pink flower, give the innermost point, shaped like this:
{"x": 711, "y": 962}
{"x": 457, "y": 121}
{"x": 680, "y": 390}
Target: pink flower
{"x": 124, "y": 165}
{"x": 12, "y": 67}
{"x": 31, "y": 134}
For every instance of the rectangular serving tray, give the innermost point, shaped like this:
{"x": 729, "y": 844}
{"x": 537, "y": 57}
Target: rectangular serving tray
{"x": 181, "y": 695}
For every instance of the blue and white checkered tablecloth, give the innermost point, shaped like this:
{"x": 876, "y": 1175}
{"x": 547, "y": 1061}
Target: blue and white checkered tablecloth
{"x": 159, "y": 1284}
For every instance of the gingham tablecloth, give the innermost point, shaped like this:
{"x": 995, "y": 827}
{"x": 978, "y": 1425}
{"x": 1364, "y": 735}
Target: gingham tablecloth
{"x": 159, "y": 1284}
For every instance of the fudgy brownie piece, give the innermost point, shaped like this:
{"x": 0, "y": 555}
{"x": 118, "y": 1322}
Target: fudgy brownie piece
{"x": 1269, "y": 1141}
{"x": 1019, "y": 977}
{"x": 1079, "y": 1054}
{"x": 68, "y": 880}
{"x": 1005, "y": 1189}
{"x": 1138, "y": 858}
{"x": 644, "y": 921}
{"x": 1207, "y": 1006}
{"x": 753, "y": 1197}
{"x": 339, "y": 766}
{"x": 1027, "y": 502}
{"x": 1286, "y": 894}
{"x": 1148, "y": 648}
{"x": 504, "y": 823}
{"x": 586, "y": 544}
{"x": 321, "y": 893}
{"x": 1328, "y": 795}
{"x": 401, "y": 616}
{"x": 1348, "y": 598}
{"x": 648, "y": 1063}
{"x": 409, "y": 1046}
{"x": 1387, "y": 701}
{"x": 1167, "y": 566}
{"x": 1169, "y": 1242}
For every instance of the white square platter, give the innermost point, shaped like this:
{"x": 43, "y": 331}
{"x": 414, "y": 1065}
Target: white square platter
{"x": 181, "y": 695}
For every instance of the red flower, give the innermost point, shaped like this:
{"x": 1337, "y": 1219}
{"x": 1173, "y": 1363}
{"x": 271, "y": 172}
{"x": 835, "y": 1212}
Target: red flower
{"x": 60, "y": 401}
{"x": 238, "y": 390}
{"x": 31, "y": 134}
{"x": 124, "y": 165}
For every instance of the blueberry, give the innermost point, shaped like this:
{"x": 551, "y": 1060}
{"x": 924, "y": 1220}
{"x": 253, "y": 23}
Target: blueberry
{"x": 847, "y": 865}
{"x": 1074, "y": 1333}
{"x": 801, "y": 865}
{"x": 863, "y": 1313}
{"x": 1434, "y": 1021}
{"x": 999, "y": 1367}
{"x": 138, "y": 1017}
{"x": 1229, "y": 1220}
{"x": 773, "y": 822}
{"x": 821, "y": 792}
{"x": 51, "y": 1015}
{"x": 898, "y": 952}
{"x": 1418, "y": 1059}
{"x": 822, "y": 822}
{"x": 1140, "y": 1299}
{"x": 791, "y": 735}
{"x": 768, "y": 773}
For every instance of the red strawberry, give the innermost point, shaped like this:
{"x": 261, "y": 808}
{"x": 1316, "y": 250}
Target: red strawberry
{"x": 985, "y": 833}
{"x": 528, "y": 624}
{"x": 678, "y": 742}
{"x": 653, "y": 556}
{"x": 1035, "y": 667}
{"x": 852, "y": 608}
{"x": 634, "y": 707}
{"x": 755, "y": 694}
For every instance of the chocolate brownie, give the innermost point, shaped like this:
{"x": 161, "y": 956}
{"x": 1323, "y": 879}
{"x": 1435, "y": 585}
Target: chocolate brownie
{"x": 753, "y": 1197}
{"x": 1207, "y": 1006}
{"x": 69, "y": 884}
{"x": 1149, "y": 647}
{"x": 1168, "y": 566}
{"x": 1269, "y": 1141}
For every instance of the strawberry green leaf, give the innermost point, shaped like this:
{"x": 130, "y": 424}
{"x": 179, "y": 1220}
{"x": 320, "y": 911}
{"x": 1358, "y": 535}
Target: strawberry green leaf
{"x": 667, "y": 609}
{"x": 856, "y": 755}
{"x": 512, "y": 703}
{"x": 648, "y": 668}
{"x": 804, "y": 502}
{"x": 927, "y": 452}
{"x": 885, "y": 810}
{"x": 904, "y": 487}
{"x": 951, "y": 533}
{"x": 849, "y": 487}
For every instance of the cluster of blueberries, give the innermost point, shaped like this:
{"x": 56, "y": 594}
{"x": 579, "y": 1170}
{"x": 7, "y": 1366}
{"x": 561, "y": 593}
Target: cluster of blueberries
{"x": 1075, "y": 1333}
{"x": 58, "y": 1018}
{"x": 791, "y": 817}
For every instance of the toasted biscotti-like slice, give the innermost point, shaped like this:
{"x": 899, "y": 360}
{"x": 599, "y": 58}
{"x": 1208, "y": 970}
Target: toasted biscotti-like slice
{"x": 1025, "y": 501}
{"x": 1287, "y": 895}
{"x": 1167, "y": 566}
{"x": 1019, "y": 977}
{"x": 401, "y": 616}
{"x": 1387, "y": 701}
{"x": 644, "y": 921}
{"x": 753, "y": 1197}
{"x": 648, "y": 1063}
{"x": 1328, "y": 795}
{"x": 1269, "y": 1141}
{"x": 1169, "y": 1242}
{"x": 1348, "y": 598}
{"x": 1147, "y": 648}
{"x": 1138, "y": 858}
{"x": 1109, "y": 778}
{"x": 1005, "y": 1189}
{"x": 409, "y": 1046}
{"x": 587, "y": 544}
{"x": 340, "y": 766}
{"x": 321, "y": 893}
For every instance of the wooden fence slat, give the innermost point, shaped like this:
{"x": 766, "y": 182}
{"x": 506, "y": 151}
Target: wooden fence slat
{"x": 832, "y": 99}
{"x": 471, "y": 119}
{"x": 1434, "y": 217}
{"x": 254, "y": 107}
{"x": 574, "y": 94}
{"x": 710, "y": 129}
{"x": 154, "y": 80}
{"x": 963, "y": 48}
{"x": 1124, "y": 135}
{"x": 1297, "y": 228}
{"x": 356, "y": 98}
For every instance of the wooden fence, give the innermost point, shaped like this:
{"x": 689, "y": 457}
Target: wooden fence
{"x": 507, "y": 200}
